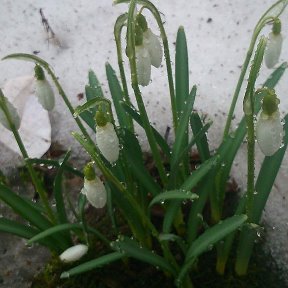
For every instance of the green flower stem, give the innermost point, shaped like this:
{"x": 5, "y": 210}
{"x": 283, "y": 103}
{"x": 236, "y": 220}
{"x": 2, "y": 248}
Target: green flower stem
{"x": 140, "y": 103}
{"x": 37, "y": 183}
{"x": 244, "y": 254}
{"x": 119, "y": 24}
{"x": 266, "y": 18}
{"x": 251, "y": 163}
{"x": 148, "y": 5}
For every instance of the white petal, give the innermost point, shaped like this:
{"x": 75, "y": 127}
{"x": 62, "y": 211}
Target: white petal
{"x": 273, "y": 50}
{"x": 13, "y": 114}
{"x": 143, "y": 64}
{"x": 45, "y": 94}
{"x": 95, "y": 192}
{"x": 269, "y": 133}
{"x": 108, "y": 142}
{"x": 73, "y": 253}
{"x": 153, "y": 45}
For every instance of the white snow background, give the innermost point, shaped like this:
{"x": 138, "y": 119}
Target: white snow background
{"x": 218, "y": 35}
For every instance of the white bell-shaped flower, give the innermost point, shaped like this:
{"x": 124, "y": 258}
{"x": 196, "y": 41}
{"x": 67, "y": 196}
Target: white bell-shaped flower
{"x": 269, "y": 132}
{"x": 95, "y": 192}
{"x": 153, "y": 45}
{"x": 107, "y": 141}
{"x": 143, "y": 65}
{"x": 73, "y": 253}
{"x": 45, "y": 94}
{"x": 13, "y": 114}
{"x": 273, "y": 49}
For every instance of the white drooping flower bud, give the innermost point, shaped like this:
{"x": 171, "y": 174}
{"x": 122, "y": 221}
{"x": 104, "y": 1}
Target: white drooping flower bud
{"x": 45, "y": 94}
{"x": 107, "y": 141}
{"x": 13, "y": 114}
{"x": 153, "y": 45}
{"x": 143, "y": 64}
{"x": 44, "y": 91}
{"x": 274, "y": 45}
{"x": 273, "y": 50}
{"x": 95, "y": 192}
{"x": 73, "y": 253}
{"x": 93, "y": 189}
{"x": 269, "y": 132}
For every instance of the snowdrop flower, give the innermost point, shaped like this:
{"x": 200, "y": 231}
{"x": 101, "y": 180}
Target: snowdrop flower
{"x": 153, "y": 45}
{"x": 151, "y": 42}
{"x": 43, "y": 90}
{"x": 274, "y": 45}
{"x": 269, "y": 129}
{"x": 5, "y": 105}
{"x": 106, "y": 138}
{"x": 73, "y": 253}
{"x": 94, "y": 189}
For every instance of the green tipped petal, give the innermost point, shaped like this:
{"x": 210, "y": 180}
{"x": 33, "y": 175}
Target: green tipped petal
{"x": 45, "y": 94}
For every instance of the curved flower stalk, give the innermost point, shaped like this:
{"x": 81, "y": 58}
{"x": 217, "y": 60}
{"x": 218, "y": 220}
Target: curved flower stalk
{"x": 274, "y": 45}
{"x": 73, "y": 253}
{"x": 106, "y": 138}
{"x": 44, "y": 90}
{"x": 269, "y": 129}
{"x": 94, "y": 188}
{"x": 8, "y": 113}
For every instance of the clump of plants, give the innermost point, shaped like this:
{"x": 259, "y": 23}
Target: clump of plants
{"x": 117, "y": 179}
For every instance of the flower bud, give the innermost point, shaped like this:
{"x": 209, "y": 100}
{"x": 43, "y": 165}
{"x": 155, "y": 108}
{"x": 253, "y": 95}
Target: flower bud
{"x": 73, "y": 253}
{"x": 107, "y": 141}
{"x": 269, "y": 132}
{"x": 153, "y": 45}
{"x": 11, "y": 110}
{"x": 274, "y": 45}
{"x": 143, "y": 64}
{"x": 43, "y": 90}
{"x": 95, "y": 192}
{"x": 93, "y": 189}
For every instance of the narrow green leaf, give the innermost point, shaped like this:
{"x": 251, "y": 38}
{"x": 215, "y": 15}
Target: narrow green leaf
{"x": 23, "y": 231}
{"x": 160, "y": 140}
{"x": 181, "y": 138}
{"x": 174, "y": 169}
{"x": 93, "y": 264}
{"x": 95, "y": 85}
{"x": 53, "y": 230}
{"x": 181, "y": 71}
{"x": 201, "y": 142}
{"x": 210, "y": 237}
{"x": 199, "y": 173}
{"x": 23, "y": 208}
{"x": 15, "y": 228}
{"x": 132, "y": 249}
{"x": 118, "y": 97}
{"x": 132, "y": 152}
{"x": 89, "y": 104}
{"x": 58, "y": 191}
{"x": 189, "y": 184}
{"x": 174, "y": 194}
